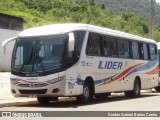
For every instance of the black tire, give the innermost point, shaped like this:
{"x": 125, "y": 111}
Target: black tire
{"x": 54, "y": 99}
{"x": 43, "y": 100}
{"x": 102, "y": 96}
{"x": 157, "y": 88}
{"x": 87, "y": 95}
{"x": 136, "y": 92}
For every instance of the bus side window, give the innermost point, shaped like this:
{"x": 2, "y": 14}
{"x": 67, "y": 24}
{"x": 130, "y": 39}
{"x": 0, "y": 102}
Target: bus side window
{"x": 93, "y": 45}
{"x": 146, "y": 57}
{"x": 141, "y": 51}
{"x": 153, "y": 51}
{"x": 109, "y": 46}
{"x": 123, "y": 48}
{"x": 106, "y": 47}
{"x": 134, "y": 49}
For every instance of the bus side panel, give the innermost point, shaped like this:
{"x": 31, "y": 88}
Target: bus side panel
{"x": 113, "y": 75}
{"x": 87, "y": 68}
{"x": 149, "y": 77}
{"x": 71, "y": 81}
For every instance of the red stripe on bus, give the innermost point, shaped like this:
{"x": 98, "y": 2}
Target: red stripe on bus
{"x": 122, "y": 74}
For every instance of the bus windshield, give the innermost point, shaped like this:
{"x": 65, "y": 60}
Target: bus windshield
{"x": 38, "y": 54}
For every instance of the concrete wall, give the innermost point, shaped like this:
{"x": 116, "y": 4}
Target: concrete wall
{"x": 5, "y": 61}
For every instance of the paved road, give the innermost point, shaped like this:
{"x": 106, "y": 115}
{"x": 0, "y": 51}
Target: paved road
{"x": 5, "y": 84}
{"x": 118, "y": 102}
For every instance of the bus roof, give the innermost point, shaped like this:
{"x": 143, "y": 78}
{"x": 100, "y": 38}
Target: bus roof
{"x": 53, "y": 29}
{"x": 57, "y": 29}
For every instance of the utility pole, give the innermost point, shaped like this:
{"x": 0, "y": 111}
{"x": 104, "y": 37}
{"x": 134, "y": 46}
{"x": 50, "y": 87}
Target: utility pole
{"x": 151, "y": 18}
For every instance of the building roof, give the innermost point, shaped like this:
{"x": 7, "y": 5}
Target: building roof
{"x": 11, "y": 16}
{"x": 11, "y": 22}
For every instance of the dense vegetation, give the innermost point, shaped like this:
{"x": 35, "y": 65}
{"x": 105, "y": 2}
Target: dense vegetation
{"x": 42, "y": 12}
{"x": 138, "y": 7}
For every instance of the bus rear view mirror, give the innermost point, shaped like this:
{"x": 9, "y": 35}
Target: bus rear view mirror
{"x": 6, "y": 42}
{"x": 71, "y": 41}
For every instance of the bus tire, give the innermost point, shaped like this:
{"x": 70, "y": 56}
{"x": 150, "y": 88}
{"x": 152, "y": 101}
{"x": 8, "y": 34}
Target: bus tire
{"x": 157, "y": 88}
{"x": 102, "y": 96}
{"x": 43, "y": 100}
{"x": 87, "y": 94}
{"x": 136, "y": 92}
{"x": 54, "y": 99}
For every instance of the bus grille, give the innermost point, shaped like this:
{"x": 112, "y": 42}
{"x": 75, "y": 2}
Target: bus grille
{"x": 42, "y": 91}
{"x": 33, "y": 85}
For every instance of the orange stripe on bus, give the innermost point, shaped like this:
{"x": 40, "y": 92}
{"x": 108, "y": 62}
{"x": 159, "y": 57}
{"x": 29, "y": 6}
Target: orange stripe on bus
{"x": 154, "y": 71}
{"x": 122, "y": 74}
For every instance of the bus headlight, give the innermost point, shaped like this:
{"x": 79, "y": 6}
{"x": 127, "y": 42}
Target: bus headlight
{"x": 56, "y": 80}
{"x": 14, "y": 82}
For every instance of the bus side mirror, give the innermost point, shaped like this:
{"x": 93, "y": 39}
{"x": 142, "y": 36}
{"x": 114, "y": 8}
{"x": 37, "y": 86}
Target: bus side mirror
{"x": 6, "y": 42}
{"x": 71, "y": 41}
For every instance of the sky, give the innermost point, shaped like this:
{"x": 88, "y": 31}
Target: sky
{"x": 158, "y": 1}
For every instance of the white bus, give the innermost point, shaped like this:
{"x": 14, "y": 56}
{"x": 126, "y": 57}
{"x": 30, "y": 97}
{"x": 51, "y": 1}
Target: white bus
{"x": 81, "y": 60}
{"x": 158, "y": 87}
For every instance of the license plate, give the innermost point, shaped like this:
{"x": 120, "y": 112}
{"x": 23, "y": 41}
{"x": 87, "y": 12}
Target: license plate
{"x": 33, "y": 95}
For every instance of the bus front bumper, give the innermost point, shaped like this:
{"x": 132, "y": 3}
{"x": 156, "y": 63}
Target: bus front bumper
{"x": 53, "y": 90}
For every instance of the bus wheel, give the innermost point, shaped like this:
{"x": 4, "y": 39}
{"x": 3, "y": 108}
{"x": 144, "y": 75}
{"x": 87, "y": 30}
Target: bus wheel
{"x": 136, "y": 90}
{"x": 102, "y": 96}
{"x": 87, "y": 95}
{"x": 157, "y": 88}
{"x": 43, "y": 100}
{"x": 54, "y": 99}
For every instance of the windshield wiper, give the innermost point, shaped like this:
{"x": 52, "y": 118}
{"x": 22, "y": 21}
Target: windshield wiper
{"x": 28, "y": 59}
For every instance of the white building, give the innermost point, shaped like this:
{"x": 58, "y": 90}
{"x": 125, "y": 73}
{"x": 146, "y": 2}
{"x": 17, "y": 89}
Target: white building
{"x": 5, "y": 61}
{"x": 10, "y": 26}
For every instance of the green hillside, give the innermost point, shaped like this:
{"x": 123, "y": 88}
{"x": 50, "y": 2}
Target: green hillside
{"x": 138, "y": 7}
{"x": 42, "y": 12}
